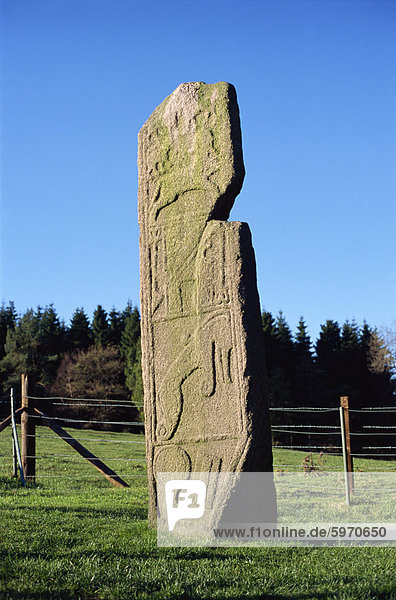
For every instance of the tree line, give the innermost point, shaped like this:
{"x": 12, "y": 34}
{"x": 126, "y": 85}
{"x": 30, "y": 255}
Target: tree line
{"x": 347, "y": 360}
{"x": 101, "y": 358}
{"x": 97, "y": 358}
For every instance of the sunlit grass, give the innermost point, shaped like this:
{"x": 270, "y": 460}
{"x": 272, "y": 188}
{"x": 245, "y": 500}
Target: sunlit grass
{"x": 74, "y": 535}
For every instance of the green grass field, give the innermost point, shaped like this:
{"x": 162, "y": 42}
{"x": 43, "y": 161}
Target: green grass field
{"x": 73, "y": 535}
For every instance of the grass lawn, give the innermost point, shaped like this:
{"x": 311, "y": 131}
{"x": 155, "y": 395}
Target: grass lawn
{"x": 73, "y": 535}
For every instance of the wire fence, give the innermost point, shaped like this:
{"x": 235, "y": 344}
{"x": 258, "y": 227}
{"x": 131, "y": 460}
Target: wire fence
{"x": 291, "y": 436}
{"x": 108, "y": 430}
{"x": 94, "y": 422}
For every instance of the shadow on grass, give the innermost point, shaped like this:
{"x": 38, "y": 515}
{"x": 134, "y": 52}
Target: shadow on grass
{"x": 9, "y": 482}
{"x": 134, "y": 513}
{"x": 154, "y": 552}
{"x": 12, "y": 483}
{"x": 52, "y": 595}
{"x": 188, "y": 594}
{"x": 185, "y": 587}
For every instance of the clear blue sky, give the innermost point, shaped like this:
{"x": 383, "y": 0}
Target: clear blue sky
{"x": 316, "y": 84}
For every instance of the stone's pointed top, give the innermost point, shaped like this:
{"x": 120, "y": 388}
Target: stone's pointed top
{"x": 192, "y": 141}
{"x": 195, "y": 85}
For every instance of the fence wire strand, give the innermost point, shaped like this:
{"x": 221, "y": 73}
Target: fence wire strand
{"x": 302, "y": 409}
{"x": 373, "y": 408}
{"x": 79, "y": 399}
{"x": 278, "y": 447}
{"x": 378, "y": 426}
{"x": 101, "y": 405}
{"x": 308, "y": 425}
{"x": 306, "y": 432}
{"x": 370, "y": 434}
{"x": 66, "y": 420}
{"x": 79, "y": 439}
{"x": 93, "y": 458}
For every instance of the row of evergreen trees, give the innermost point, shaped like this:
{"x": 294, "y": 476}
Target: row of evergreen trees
{"x": 345, "y": 360}
{"x": 102, "y": 357}
{"x": 97, "y": 359}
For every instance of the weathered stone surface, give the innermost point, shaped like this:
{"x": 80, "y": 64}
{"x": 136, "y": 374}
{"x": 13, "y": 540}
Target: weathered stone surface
{"x": 202, "y": 346}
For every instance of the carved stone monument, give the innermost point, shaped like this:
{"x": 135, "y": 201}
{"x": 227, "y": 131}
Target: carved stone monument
{"x": 202, "y": 344}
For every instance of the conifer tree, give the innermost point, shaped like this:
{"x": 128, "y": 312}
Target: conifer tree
{"x": 79, "y": 334}
{"x": 282, "y": 331}
{"x": 100, "y": 327}
{"x": 303, "y": 373}
{"x": 328, "y": 363}
{"x": 134, "y": 380}
{"x": 128, "y": 310}
{"x": 328, "y": 346}
{"x": 284, "y": 350}
{"x": 130, "y": 352}
{"x": 22, "y": 350}
{"x": 268, "y": 324}
{"x": 364, "y": 337}
{"x": 8, "y": 320}
{"x": 51, "y": 347}
{"x": 351, "y": 363}
{"x": 303, "y": 342}
{"x": 130, "y": 335}
{"x": 278, "y": 354}
{"x": 116, "y": 326}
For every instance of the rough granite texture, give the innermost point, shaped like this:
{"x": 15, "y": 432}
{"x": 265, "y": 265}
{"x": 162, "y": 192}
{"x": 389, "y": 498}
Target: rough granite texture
{"x": 202, "y": 345}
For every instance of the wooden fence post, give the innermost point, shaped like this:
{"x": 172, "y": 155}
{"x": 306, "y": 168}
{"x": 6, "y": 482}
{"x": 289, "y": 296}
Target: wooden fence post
{"x": 28, "y": 433}
{"x": 17, "y": 453}
{"x": 345, "y": 425}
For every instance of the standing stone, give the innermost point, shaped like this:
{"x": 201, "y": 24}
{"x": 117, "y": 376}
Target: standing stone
{"x": 202, "y": 343}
